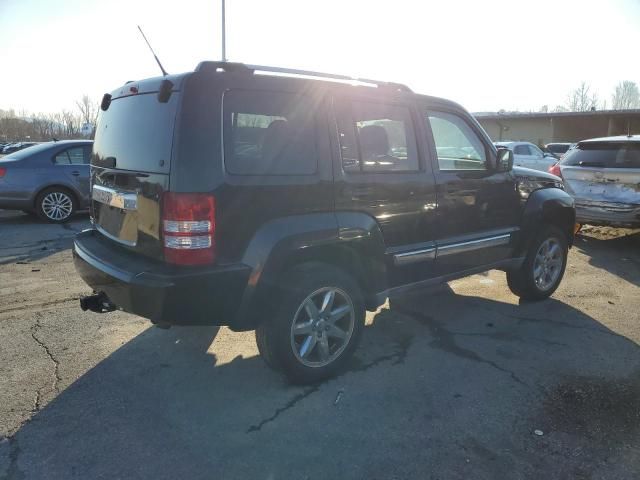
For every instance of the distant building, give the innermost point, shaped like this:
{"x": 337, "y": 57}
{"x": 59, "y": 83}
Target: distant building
{"x": 542, "y": 128}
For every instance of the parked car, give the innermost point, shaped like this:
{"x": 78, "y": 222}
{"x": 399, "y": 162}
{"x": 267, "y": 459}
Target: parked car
{"x": 603, "y": 175}
{"x": 15, "y": 147}
{"x": 528, "y": 155}
{"x": 558, "y": 149}
{"x": 50, "y": 179}
{"x": 290, "y": 205}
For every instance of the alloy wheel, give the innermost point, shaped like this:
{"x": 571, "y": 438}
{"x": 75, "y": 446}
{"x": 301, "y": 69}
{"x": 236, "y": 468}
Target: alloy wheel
{"x": 322, "y": 327}
{"x": 547, "y": 265}
{"x": 57, "y": 206}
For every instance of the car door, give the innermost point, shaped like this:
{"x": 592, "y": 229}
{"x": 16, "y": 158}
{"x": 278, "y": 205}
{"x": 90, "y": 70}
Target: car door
{"x": 542, "y": 161}
{"x": 523, "y": 157}
{"x": 73, "y": 163}
{"x": 380, "y": 171}
{"x": 478, "y": 207}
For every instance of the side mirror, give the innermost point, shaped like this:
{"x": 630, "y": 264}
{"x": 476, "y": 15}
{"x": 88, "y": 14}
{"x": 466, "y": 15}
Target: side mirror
{"x": 549, "y": 155}
{"x": 504, "y": 160}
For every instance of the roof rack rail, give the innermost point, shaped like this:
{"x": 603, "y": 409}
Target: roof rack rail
{"x": 241, "y": 67}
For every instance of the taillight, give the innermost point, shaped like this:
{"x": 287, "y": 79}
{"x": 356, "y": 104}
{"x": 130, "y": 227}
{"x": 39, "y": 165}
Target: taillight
{"x": 2, "y": 172}
{"x": 555, "y": 170}
{"x": 188, "y": 228}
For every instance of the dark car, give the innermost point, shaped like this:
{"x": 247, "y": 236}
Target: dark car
{"x": 50, "y": 179}
{"x": 290, "y": 204}
{"x": 558, "y": 149}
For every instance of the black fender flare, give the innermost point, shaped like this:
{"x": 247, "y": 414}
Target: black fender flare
{"x": 547, "y": 206}
{"x": 351, "y": 241}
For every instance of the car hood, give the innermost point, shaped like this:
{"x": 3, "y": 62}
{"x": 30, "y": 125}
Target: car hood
{"x": 522, "y": 172}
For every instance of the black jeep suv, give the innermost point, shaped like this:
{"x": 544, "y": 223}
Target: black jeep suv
{"x": 290, "y": 202}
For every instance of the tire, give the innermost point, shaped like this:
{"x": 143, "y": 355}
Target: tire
{"x": 548, "y": 252}
{"x": 327, "y": 309}
{"x": 55, "y": 205}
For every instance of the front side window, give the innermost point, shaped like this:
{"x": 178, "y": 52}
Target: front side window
{"x": 535, "y": 151}
{"x": 376, "y": 137}
{"x": 72, "y": 156}
{"x": 269, "y": 133}
{"x": 457, "y": 145}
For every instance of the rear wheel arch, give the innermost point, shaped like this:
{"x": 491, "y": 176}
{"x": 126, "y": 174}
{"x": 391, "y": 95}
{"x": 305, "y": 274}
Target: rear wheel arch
{"x": 74, "y": 195}
{"x": 55, "y": 188}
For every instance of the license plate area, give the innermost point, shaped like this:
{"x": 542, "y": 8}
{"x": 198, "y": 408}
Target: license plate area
{"x": 115, "y": 214}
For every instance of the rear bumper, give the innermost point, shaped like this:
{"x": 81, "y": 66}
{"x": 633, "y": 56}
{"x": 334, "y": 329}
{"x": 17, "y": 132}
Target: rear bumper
{"x": 157, "y": 291}
{"x": 608, "y": 214}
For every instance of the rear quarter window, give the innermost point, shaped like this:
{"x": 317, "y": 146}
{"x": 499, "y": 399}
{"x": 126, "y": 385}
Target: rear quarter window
{"x": 604, "y": 155}
{"x": 269, "y": 133}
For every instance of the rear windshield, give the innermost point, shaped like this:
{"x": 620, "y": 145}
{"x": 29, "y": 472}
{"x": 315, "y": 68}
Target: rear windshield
{"x": 604, "y": 155}
{"x": 558, "y": 148}
{"x": 137, "y": 131}
{"x": 26, "y": 152}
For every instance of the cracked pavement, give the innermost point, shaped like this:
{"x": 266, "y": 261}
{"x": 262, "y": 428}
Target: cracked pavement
{"x": 449, "y": 384}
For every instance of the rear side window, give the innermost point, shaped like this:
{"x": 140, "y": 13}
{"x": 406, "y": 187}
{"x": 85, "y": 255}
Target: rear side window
{"x": 376, "y": 137}
{"x": 269, "y": 133}
{"x": 73, "y": 156}
{"x": 522, "y": 150}
{"x": 604, "y": 155}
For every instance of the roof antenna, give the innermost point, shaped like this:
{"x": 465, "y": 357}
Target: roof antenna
{"x": 164, "y": 72}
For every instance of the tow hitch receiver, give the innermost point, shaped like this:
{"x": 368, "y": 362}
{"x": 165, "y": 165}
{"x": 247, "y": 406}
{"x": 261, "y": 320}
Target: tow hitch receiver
{"x": 98, "y": 302}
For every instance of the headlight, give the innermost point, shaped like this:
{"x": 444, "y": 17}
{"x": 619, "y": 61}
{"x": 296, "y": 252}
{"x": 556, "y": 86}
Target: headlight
{"x": 528, "y": 185}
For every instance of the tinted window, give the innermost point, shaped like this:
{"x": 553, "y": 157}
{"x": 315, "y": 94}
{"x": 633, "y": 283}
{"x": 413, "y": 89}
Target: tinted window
{"x": 457, "y": 145}
{"x": 137, "y": 131}
{"x": 268, "y": 133}
{"x": 376, "y": 137}
{"x": 558, "y": 148}
{"x": 521, "y": 150}
{"x": 604, "y": 155}
{"x": 72, "y": 156}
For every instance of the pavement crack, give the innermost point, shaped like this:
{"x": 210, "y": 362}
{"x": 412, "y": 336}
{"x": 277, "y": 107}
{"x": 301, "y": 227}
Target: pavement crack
{"x": 56, "y": 364}
{"x": 398, "y": 357}
{"x": 445, "y": 341}
{"x": 289, "y": 405}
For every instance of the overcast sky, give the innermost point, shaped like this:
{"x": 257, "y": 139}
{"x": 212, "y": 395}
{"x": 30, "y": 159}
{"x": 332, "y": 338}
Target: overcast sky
{"x": 487, "y": 55}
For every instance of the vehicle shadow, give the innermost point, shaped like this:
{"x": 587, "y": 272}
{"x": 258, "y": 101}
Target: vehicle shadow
{"x": 25, "y": 238}
{"x": 449, "y": 383}
{"x": 618, "y": 252}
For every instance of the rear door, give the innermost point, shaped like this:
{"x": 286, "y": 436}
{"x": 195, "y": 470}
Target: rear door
{"x": 130, "y": 166}
{"x": 603, "y": 172}
{"x": 379, "y": 172}
{"x": 74, "y": 163}
{"x": 523, "y": 157}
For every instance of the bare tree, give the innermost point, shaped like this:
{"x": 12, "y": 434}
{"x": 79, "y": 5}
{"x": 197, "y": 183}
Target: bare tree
{"x": 582, "y": 99}
{"x": 88, "y": 111}
{"x": 626, "y": 96}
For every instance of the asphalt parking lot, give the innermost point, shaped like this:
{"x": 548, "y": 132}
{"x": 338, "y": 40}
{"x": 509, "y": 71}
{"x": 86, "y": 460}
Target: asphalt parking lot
{"x": 462, "y": 382}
